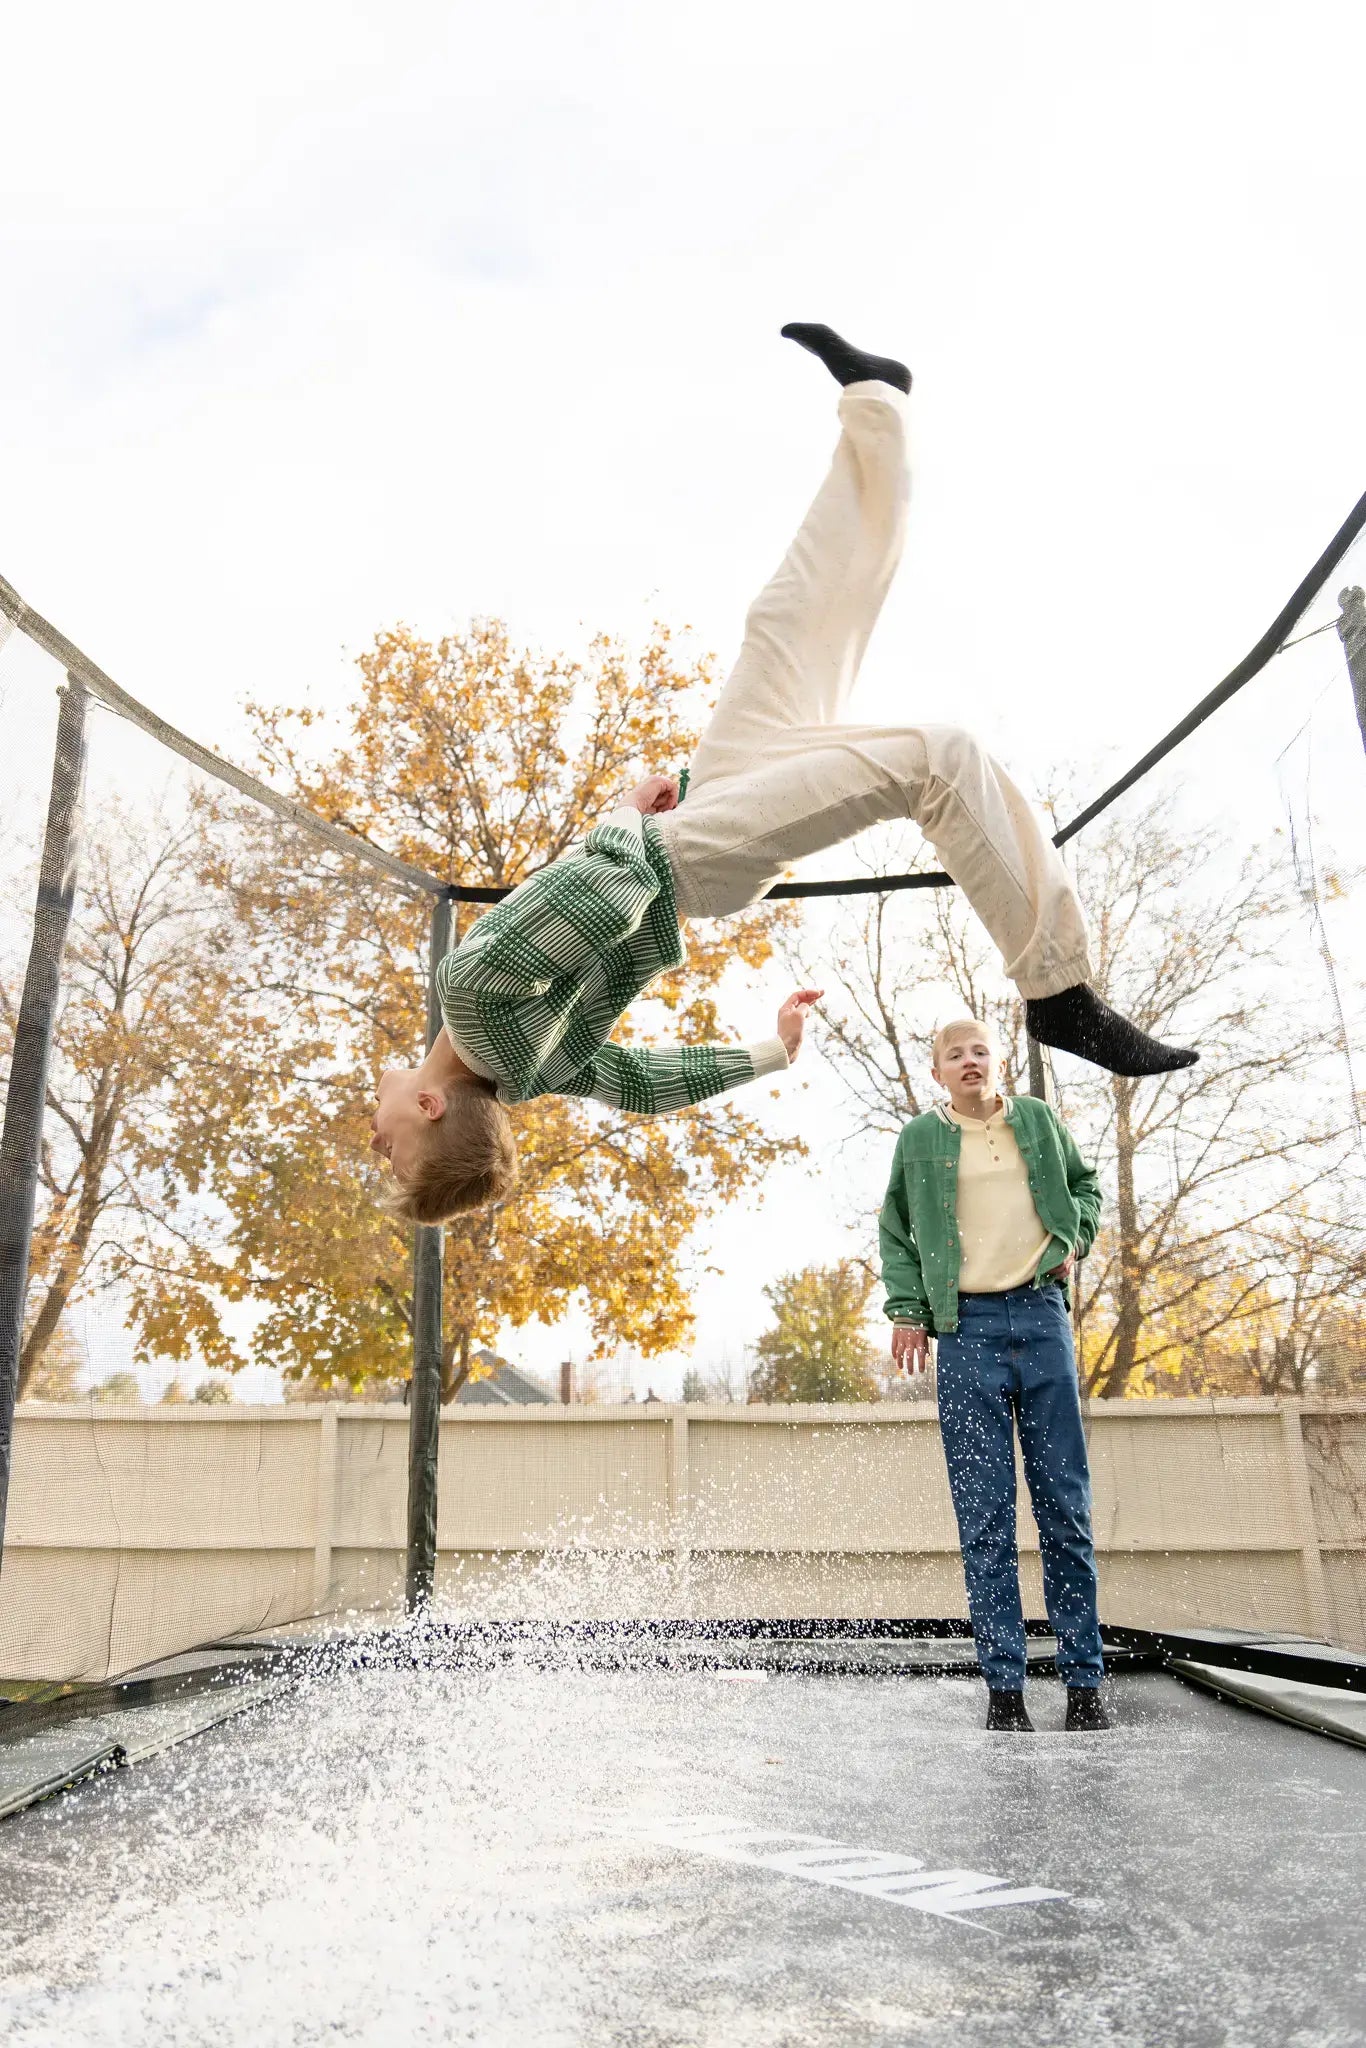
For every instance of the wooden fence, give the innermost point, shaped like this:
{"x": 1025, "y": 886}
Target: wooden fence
{"x": 135, "y": 1533}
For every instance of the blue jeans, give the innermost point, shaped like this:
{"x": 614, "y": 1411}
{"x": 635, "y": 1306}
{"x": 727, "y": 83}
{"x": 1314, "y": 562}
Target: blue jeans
{"x": 1010, "y": 1364}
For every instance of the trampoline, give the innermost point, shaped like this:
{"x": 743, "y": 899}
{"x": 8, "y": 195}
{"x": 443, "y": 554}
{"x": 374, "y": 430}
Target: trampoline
{"x": 517, "y": 1815}
{"x": 684, "y": 1837}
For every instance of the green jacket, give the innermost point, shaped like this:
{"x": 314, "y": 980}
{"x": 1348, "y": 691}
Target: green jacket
{"x": 918, "y": 1227}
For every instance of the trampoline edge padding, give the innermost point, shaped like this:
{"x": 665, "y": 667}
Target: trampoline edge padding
{"x": 1319, "y": 1709}
{"x": 40, "y": 1762}
{"x": 31, "y": 1790}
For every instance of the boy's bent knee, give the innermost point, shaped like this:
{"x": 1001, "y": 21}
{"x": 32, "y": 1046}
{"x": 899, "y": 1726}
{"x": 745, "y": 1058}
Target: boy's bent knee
{"x": 953, "y": 753}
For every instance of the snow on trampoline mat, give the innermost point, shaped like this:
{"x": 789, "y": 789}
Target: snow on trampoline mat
{"x": 463, "y": 1856}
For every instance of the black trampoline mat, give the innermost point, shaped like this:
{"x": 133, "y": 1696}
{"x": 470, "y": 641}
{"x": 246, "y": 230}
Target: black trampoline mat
{"x": 575, "y": 1856}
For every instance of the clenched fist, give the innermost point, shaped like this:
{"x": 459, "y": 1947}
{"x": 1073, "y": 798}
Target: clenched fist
{"x": 656, "y": 793}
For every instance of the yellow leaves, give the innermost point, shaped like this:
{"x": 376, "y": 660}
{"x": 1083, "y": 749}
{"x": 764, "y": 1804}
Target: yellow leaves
{"x": 485, "y": 761}
{"x": 480, "y": 761}
{"x": 239, "y": 1037}
{"x": 818, "y": 1347}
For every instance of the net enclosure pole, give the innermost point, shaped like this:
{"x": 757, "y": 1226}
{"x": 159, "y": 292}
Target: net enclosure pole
{"x": 21, "y": 1140}
{"x": 424, "y": 1407}
{"x": 1041, "y": 1081}
{"x": 1352, "y": 633}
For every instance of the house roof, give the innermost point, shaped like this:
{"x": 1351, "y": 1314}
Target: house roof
{"x": 507, "y": 1386}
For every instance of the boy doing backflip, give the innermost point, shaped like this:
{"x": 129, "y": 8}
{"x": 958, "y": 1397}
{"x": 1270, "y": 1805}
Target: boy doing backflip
{"x": 530, "y": 998}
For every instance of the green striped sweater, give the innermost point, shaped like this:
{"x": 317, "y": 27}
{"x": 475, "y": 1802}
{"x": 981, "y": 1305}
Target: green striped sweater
{"x": 530, "y": 996}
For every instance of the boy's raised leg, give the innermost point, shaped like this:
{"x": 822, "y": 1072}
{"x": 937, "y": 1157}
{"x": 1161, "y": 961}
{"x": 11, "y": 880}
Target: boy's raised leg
{"x": 846, "y": 364}
{"x": 778, "y": 775}
{"x": 1079, "y": 1021}
{"x": 806, "y": 632}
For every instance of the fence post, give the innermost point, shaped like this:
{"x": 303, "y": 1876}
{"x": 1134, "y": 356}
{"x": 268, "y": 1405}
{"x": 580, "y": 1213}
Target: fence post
{"x": 424, "y": 1406}
{"x": 678, "y": 1489}
{"x": 32, "y": 1054}
{"x": 1352, "y": 633}
{"x": 1314, "y": 1580}
{"x": 325, "y": 1521}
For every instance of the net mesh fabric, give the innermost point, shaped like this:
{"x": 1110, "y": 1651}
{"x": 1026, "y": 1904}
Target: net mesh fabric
{"x": 152, "y": 1508}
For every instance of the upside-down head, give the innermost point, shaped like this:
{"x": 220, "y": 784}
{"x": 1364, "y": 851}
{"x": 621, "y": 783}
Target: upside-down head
{"x": 450, "y": 1149}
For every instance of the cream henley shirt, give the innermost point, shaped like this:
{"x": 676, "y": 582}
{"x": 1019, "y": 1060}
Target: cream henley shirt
{"x": 999, "y": 1232}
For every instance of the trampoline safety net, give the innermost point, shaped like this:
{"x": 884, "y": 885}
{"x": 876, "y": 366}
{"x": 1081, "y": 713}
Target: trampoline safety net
{"x": 213, "y": 1420}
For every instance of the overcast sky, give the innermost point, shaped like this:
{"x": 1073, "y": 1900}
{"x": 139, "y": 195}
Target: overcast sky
{"x": 317, "y": 318}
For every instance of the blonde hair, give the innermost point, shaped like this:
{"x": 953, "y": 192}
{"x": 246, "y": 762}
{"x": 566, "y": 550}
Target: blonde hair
{"x": 960, "y": 1024}
{"x": 468, "y": 1160}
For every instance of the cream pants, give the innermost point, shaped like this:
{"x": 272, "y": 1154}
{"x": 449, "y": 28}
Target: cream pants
{"x": 780, "y": 775}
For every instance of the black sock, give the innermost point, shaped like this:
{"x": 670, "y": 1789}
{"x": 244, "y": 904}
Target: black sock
{"x": 846, "y": 364}
{"x": 1078, "y": 1021}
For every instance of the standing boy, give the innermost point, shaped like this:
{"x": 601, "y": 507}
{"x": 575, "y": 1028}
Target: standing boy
{"x": 531, "y": 996}
{"x": 989, "y": 1205}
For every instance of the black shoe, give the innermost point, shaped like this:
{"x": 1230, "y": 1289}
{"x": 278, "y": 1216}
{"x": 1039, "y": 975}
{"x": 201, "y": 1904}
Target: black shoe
{"x": 1006, "y": 1713}
{"x": 1078, "y": 1021}
{"x": 1085, "y": 1710}
{"x": 846, "y": 364}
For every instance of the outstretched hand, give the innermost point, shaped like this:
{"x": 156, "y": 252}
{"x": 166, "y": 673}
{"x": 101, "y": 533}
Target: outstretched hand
{"x": 792, "y": 1018}
{"x": 657, "y": 793}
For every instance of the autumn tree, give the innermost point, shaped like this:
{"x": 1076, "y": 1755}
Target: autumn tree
{"x": 1303, "y": 1329}
{"x": 893, "y": 965}
{"x": 53, "y": 1376}
{"x": 1205, "y": 1170}
{"x": 365, "y": 1391}
{"x": 214, "y": 1391}
{"x": 479, "y": 762}
{"x": 818, "y": 1347}
{"x": 1208, "y": 1167}
{"x": 136, "y": 1039}
{"x": 118, "y": 1390}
